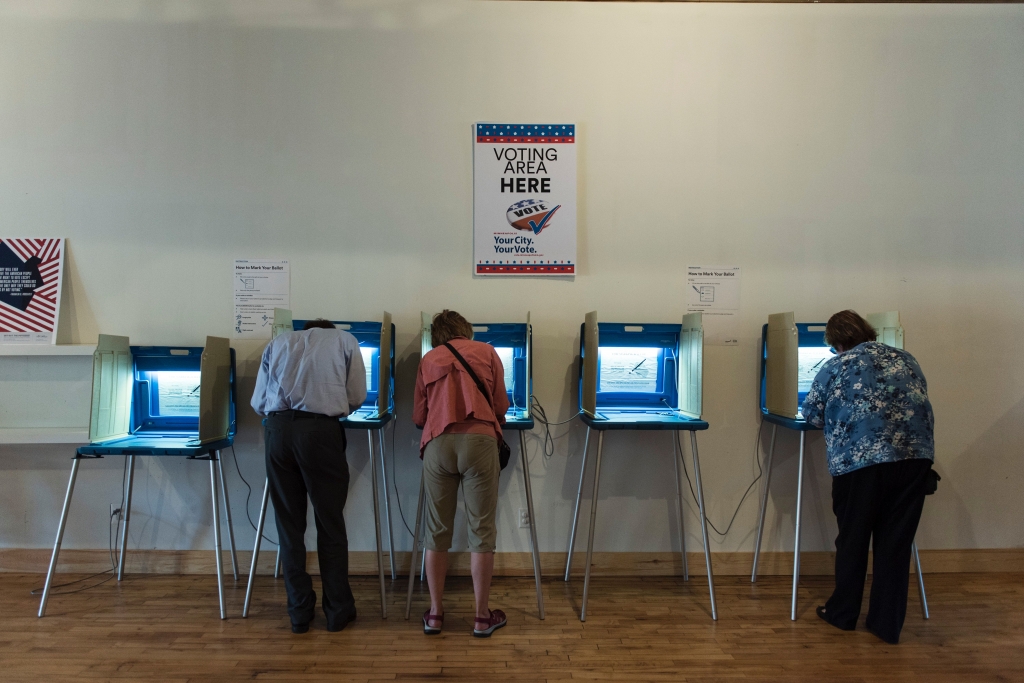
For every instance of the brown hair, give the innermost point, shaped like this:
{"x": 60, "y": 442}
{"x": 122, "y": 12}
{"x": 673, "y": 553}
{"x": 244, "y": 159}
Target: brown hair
{"x": 318, "y": 322}
{"x": 448, "y": 325}
{"x": 847, "y": 329}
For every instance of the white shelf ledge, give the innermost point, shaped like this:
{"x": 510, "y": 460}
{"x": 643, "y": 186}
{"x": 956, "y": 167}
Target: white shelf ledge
{"x": 47, "y": 349}
{"x": 78, "y": 435}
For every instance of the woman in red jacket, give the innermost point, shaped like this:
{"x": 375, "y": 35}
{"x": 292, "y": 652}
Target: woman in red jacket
{"x": 461, "y": 428}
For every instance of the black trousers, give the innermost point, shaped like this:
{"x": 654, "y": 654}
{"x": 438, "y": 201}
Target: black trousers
{"x": 307, "y": 457}
{"x": 881, "y": 502}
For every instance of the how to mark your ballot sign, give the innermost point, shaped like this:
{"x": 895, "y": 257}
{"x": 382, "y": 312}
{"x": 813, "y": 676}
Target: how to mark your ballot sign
{"x": 524, "y": 199}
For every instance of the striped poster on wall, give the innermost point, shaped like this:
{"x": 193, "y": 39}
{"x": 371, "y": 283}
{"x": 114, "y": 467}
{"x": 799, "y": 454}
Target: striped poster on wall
{"x": 30, "y": 280}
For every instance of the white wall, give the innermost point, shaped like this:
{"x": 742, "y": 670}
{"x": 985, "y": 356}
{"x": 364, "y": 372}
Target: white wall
{"x": 845, "y": 156}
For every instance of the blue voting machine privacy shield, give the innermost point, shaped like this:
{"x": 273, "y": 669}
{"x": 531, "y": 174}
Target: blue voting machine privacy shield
{"x": 377, "y": 349}
{"x": 372, "y": 336}
{"x": 797, "y": 353}
{"x": 149, "y": 400}
{"x": 380, "y": 368}
{"x": 513, "y": 343}
{"x": 792, "y": 354}
{"x": 159, "y": 401}
{"x": 641, "y": 376}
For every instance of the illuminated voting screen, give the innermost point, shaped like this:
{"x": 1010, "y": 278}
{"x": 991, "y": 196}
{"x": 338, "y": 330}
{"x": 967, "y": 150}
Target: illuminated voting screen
{"x": 506, "y": 354}
{"x": 810, "y": 361}
{"x": 369, "y": 360}
{"x": 177, "y": 393}
{"x": 628, "y": 369}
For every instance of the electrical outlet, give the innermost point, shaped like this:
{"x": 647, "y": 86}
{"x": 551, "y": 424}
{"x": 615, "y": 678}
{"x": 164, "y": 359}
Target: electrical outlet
{"x": 524, "y": 518}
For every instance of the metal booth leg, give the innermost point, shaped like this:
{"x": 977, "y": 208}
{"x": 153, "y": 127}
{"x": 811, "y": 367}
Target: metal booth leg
{"x": 60, "y": 534}
{"x": 677, "y": 456}
{"x": 920, "y": 580}
{"x": 227, "y": 516}
{"x": 376, "y": 528}
{"x": 127, "y": 512}
{"x": 387, "y": 505}
{"x": 415, "y": 542}
{"x": 593, "y": 520}
{"x": 576, "y": 512}
{"x": 256, "y": 549}
{"x": 423, "y": 564}
{"x": 703, "y": 523}
{"x": 277, "y": 562}
{"x": 533, "y": 523}
{"x": 764, "y": 504}
{"x": 216, "y": 534}
{"x": 796, "y": 541}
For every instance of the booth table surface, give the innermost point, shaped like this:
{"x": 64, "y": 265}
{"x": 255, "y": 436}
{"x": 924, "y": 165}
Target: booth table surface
{"x": 519, "y": 425}
{"x": 790, "y": 423}
{"x": 644, "y": 422}
{"x": 154, "y": 445}
{"x": 355, "y": 421}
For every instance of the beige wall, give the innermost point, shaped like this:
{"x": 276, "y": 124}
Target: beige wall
{"x": 845, "y": 156}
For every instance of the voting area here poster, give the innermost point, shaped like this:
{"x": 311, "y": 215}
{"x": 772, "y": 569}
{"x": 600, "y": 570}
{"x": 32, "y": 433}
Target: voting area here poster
{"x": 524, "y": 199}
{"x": 31, "y": 272}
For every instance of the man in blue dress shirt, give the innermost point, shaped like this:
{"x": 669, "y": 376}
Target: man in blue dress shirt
{"x": 872, "y": 401}
{"x": 306, "y": 382}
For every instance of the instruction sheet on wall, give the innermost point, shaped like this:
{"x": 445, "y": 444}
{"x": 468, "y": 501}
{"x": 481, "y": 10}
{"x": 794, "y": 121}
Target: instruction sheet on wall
{"x": 715, "y": 292}
{"x": 261, "y": 285}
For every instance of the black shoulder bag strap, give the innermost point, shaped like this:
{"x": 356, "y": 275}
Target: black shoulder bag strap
{"x": 504, "y": 451}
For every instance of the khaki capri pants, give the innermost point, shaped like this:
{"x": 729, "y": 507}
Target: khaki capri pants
{"x": 473, "y": 460}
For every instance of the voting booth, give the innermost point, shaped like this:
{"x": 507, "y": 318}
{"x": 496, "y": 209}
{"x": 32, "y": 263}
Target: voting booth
{"x": 377, "y": 346}
{"x": 159, "y": 401}
{"x": 513, "y": 343}
{"x": 792, "y": 354}
{"x": 641, "y": 376}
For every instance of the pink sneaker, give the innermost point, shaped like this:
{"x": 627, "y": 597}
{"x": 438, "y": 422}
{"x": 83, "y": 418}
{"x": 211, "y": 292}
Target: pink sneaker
{"x": 483, "y": 628}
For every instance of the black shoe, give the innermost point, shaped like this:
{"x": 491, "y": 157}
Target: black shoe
{"x": 891, "y": 641}
{"x": 300, "y": 628}
{"x": 340, "y": 624}
{"x": 820, "y": 611}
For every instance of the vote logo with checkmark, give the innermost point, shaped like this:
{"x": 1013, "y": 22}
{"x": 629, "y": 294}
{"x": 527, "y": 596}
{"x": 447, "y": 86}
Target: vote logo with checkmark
{"x": 531, "y": 214}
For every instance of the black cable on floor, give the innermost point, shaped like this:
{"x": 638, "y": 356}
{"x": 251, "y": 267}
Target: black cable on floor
{"x": 110, "y": 550}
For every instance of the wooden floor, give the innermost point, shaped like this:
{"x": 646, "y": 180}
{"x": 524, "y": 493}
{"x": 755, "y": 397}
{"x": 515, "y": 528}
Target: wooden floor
{"x": 153, "y": 627}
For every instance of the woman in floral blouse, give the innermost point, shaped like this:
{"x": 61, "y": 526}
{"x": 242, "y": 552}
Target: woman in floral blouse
{"x": 872, "y": 401}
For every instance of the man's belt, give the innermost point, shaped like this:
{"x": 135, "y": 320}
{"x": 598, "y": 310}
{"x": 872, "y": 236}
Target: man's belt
{"x": 300, "y": 415}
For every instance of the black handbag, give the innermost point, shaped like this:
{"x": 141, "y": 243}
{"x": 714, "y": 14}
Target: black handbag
{"x": 504, "y": 452}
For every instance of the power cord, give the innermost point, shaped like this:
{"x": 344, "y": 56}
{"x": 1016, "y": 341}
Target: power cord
{"x": 541, "y": 416}
{"x": 394, "y": 472}
{"x": 110, "y": 550}
{"x": 234, "y": 456}
{"x": 760, "y": 473}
